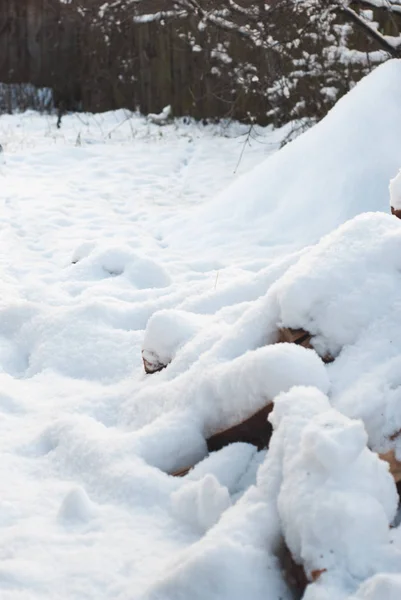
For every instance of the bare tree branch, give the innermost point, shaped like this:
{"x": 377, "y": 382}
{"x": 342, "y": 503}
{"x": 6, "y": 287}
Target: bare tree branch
{"x": 372, "y": 33}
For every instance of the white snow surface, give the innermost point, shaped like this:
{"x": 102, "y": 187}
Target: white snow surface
{"x": 331, "y": 487}
{"x": 358, "y": 153}
{"x": 122, "y": 238}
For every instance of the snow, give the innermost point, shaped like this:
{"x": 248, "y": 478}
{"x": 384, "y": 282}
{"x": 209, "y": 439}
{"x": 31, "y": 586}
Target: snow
{"x": 86, "y": 504}
{"x": 76, "y": 507}
{"x": 123, "y": 240}
{"x": 345, "y": 291}
{"x": 380, "y": 586}
{"x": 162, "y": 117}
{"x": 167, "y": 331}
{"x": 331, "y": 487}
{"x": 300, "y": 194}
{"x": 201, "y": 503}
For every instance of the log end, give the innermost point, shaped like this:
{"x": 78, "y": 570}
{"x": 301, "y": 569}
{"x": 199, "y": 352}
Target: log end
{"x": 396, "y": 212}
{"x": 151, "y": 362}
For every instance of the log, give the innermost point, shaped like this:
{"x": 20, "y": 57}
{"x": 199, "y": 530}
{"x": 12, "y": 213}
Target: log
{"x": 294, "y": 574}
{"x": 151, "y": 362}
{"x": 255, "y": 430}
{"x": 295, "y": 336}
{"x": 396, "y": 212}
{"x": 395, "y": 465}
{"x": 182, "y": 472}
{"x": 301, "y": 338}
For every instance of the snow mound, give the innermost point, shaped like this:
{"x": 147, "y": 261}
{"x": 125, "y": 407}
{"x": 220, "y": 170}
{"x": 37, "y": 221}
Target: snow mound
{"x": 76, "y": 508}
{"x": 336, "y": 170}
{"x": 380, "y": 587}
{"x": 332, "y": 486}
{"x": 87, "y": 440}
{"x": 91, "y": 262}
{"x": 343, "y": 283}
{"x": 346, "y": 292}
{"x": 320, "y": 479}
{"x": 230, "y": 391}
{"x": 329, "y": 486}
{"x": 167, "y": 331}
{"x": 201, "y": 503}
{"x": 230, "y": 466}
{"x": 235, "y": 559}
{"x": 301, "y": 493}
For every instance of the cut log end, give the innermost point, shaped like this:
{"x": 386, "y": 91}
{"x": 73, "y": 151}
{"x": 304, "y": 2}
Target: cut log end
{"x": 151, "y": 362}
{"x": 396, "y": 212}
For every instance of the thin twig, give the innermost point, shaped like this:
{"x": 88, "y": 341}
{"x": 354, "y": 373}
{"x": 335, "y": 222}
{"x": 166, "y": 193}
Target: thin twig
{"x": 243, "y": 148}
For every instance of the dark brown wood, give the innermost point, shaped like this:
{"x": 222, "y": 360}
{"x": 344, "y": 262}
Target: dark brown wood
{"x": 256, "y": 430}
{"x": 301, "y": 338}
{"x": 396, "y": 212}
{"x": 294, "y": 574}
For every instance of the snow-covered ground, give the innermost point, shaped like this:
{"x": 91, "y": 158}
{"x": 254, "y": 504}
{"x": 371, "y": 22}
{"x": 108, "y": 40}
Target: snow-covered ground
{"x": 118, "y": 235}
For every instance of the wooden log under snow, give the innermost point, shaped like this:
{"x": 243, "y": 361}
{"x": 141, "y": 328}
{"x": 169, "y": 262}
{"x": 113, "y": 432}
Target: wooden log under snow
{"x": 182, "y": 472}
{"x": 394, "y": 464}
{"x": 151, "y": 362}
{"x": 255, "y": 430}
{"x": 295, "y": 336}
{"x": 301, "y": 338}
{"x": 396, "y": 212}
{"x": 295, "y": 574}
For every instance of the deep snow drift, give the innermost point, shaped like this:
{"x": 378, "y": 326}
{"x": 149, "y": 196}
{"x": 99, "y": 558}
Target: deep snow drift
{"x": 110, "y": 245}
{"x": 334, "y": 171}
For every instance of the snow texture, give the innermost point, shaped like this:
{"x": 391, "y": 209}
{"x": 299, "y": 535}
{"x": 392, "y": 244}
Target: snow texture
{"x": 331, "y": 487}
{"x": 333, "y": 172}
{"x": 121, "y": 239}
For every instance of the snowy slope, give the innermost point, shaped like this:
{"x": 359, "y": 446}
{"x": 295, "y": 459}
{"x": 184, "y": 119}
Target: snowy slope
{"x": 336, "y": 170}
{"x": 110, "y": 245}
{"x": 83, "y": 267}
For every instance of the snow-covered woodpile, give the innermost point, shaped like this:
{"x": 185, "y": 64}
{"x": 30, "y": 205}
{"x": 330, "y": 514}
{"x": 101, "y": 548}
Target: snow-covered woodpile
{"x": 341, "y": 446}
{"x": 119, "y": 235}
{"x": 330, "y": 437}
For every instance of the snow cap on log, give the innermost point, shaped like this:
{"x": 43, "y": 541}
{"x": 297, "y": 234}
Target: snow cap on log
{"x": 166, "y": 332}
